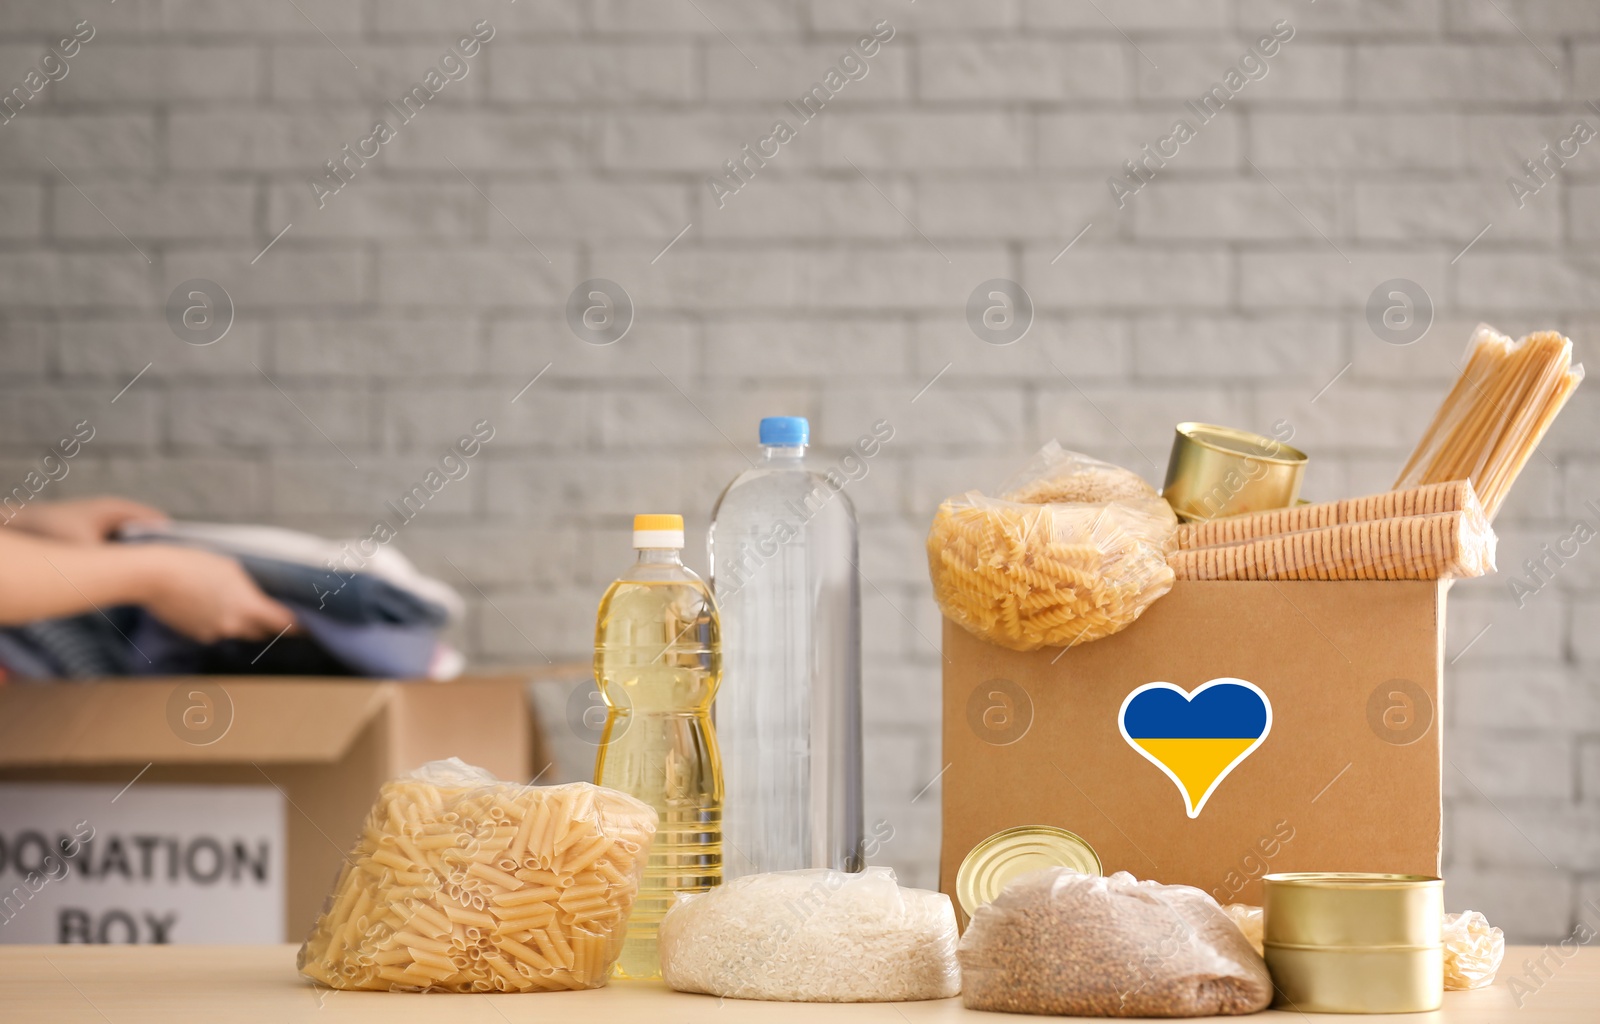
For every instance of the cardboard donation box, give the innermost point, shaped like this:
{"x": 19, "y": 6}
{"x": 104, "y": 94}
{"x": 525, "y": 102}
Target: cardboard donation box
{"x": 215, "y": 810}
{"x": 1235, "y": 729}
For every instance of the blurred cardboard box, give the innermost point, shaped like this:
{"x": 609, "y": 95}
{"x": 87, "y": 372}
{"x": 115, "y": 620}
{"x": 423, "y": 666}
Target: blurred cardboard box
{"x": 1345, "y": 778}
{"x": 295, "y": 763}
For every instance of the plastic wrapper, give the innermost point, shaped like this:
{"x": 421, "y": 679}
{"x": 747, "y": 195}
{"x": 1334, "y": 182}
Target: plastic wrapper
{"x": 1427, "y": 499}
{"x": 1440, "y": 545}
{"x": 1073, "y": 549}
{"x": 1251, "y": 922}
{"x": 463, "y": 883}
{"x": 1494, "y": 417}
{"x": 1064, "y": 943}
{"x": 1473, "y": 949}
{"x": 816, "y": 935}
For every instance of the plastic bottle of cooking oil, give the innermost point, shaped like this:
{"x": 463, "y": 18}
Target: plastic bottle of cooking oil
{"x": 658, "y": 660}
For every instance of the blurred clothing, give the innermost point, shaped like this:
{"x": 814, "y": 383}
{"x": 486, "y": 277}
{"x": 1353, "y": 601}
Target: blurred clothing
{"x": 382, "y": 621}
{"x": 129, "y": 641}
{"x": 341, "y": 578}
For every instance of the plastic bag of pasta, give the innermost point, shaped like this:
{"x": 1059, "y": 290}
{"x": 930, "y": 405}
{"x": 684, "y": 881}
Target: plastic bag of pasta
{"x": 815, "y": 936}
{"x": 1064, "y": 943}
{"x": 462, "y": 883}
{"x": 1073, "y": 549}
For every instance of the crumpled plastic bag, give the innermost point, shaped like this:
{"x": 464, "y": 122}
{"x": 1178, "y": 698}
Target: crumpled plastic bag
{"x": 1252, "y": 922}
{"x": 460, "y": 882}
{"x": 1059, "y": 942}
{"x": 1072, "y": 550}
{"x": 1473, "y": 949}
{"x": 814, "y": 935}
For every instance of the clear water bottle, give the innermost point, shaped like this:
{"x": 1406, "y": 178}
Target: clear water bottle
{"x": 657, "y": 658}
{"x": 783, "y": 565}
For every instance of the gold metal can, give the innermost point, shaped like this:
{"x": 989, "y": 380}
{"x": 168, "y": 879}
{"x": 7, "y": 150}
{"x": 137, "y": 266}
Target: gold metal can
{"x": 1219, "y": 471}
{"x": 997, "y": 860}
{"x": 1351, "y": 942}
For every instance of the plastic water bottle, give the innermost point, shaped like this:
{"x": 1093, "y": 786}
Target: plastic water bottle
{"x": 783, "y": 564}
{"x": 658, "y": 659}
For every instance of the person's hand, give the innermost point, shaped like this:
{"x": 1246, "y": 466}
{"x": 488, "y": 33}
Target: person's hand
{"x": 208, "y": 597}
{"x": 85, "y": 520}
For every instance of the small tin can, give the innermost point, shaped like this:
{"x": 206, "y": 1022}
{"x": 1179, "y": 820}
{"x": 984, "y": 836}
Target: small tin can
{"x": 1348, "y": 942}
{"x": 1219, "y": 471}
{"x": 997, "y": 860}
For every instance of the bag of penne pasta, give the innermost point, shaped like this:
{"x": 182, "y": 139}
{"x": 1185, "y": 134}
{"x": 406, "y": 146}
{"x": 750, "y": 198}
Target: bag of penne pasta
{"x": 1071, "y": 550}
{"x": 460, "y": 882}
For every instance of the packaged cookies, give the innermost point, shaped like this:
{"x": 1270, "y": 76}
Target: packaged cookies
{"x": 1427, "y": 499}
{"x": 463, "y": 883}
{"x": 1440, "y": 545}
{"x": 1073, "y": 549}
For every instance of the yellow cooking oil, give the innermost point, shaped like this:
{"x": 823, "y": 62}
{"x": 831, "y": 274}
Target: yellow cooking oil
{"x": 658, "y": 660}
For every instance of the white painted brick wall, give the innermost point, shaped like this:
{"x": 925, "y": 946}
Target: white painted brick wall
{"x": 833, "y": 285}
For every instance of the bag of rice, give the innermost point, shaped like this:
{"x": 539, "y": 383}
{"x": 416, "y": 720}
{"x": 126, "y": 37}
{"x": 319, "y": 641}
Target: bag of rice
{"x": 1059, "y": 942}
{"x": 816, "y": 936}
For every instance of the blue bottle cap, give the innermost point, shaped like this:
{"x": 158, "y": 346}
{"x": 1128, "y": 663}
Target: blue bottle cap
{"x": 785, "y": 431}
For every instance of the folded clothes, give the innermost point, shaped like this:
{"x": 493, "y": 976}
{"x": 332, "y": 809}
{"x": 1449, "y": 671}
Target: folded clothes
{"x": 129, "y": 641}
{"x": 358, "y": 614}
{"x": 339, "y": 578}
{"x": 74, "y": 647}
{"x": 381, "y": 650}
{"x": 358, "y": 599}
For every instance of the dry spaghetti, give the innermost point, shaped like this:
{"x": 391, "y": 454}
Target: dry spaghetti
{"x": 1507, "y": 396}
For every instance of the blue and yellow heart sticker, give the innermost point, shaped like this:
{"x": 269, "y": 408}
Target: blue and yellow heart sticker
{"x": 1196, "y": 738}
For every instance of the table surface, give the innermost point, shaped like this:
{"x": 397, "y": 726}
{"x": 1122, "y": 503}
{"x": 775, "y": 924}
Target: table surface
{"x": 175, "y": 984}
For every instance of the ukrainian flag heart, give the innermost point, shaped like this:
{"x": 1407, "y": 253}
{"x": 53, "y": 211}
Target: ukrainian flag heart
{"x": 1196, "y": 738}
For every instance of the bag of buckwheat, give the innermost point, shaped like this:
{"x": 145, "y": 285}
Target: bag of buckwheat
{"x": 1064, "y": 943}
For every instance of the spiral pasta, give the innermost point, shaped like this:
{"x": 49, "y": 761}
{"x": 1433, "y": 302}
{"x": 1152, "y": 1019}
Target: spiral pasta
{"x": 1025, "y": 574}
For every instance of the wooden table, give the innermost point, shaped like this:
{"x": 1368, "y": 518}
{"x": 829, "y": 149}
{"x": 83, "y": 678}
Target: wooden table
{"x": 180, "y": 984}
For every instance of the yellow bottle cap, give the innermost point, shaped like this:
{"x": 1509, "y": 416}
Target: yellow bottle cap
{"x": 657, "y": 522}
{"x": 656, "y": 531}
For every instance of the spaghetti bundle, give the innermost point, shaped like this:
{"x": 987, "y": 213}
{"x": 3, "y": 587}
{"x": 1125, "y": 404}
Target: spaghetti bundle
{"x": 1025, "y": 575}
{"x": 1496, "y": 414}
{"x": 463, "y": 883}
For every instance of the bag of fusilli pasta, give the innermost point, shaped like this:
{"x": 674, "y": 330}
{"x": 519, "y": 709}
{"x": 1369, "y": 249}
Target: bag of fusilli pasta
{"x": 460, "y": 882}
{"x": 1073, "y": 549}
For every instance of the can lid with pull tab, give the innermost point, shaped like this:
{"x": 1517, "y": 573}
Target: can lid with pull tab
{"x": 993, "y": 863}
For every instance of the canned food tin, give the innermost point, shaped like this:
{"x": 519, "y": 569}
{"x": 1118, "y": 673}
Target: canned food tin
{"x": 997, "y": 860}
{"x": 1219, "y": 471}
{"x": 1347, "y": 942}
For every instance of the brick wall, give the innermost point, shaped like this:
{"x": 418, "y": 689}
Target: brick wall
{"x": 429, "y": 290}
